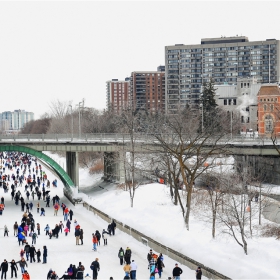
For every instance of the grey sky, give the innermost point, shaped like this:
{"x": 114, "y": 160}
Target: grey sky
{"x": 67, "y": 50}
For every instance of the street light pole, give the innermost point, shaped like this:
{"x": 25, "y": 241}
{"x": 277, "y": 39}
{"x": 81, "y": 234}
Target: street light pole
{"x": 202, "y": 125}
{"x": 80, "y": 119}
{"x": 201, "y": 106}
{"x": 231, "y": 125}
{"x": 82, "y": 102}
{"x": 72, "y": 121}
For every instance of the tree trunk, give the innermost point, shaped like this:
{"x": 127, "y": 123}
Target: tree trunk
{"x": 214, "y": 223}
{"x": 244, "y": 242}
{"x": 188, "y": 208}
{"x": 260, "y": 207}
{"x": 176, "y": 197}
{"x": 250, "y": 217}
{"x": 170, "y": 186}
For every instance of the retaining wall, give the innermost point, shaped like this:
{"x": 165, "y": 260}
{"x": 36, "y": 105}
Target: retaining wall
{"x": 158, "y": 247}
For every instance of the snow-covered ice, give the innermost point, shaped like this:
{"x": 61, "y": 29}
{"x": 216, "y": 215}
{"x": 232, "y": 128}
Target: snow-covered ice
{"x": 154, "y": 215}
{"x": 62, "y": 251}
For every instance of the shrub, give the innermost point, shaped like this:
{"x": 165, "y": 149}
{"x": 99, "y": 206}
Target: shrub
{"x": 97, "y": 167}
{"x": 271, "y": 231}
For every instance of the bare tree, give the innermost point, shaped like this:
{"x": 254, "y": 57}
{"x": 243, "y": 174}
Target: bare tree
{"x": 127, "y": 123}
{"x": 234, "y": 217}
{"x": 59, "y": 108}
{"x": 214, "y": 185}
{"x": 167, "y": 169}
{"x": 193, "y": 147}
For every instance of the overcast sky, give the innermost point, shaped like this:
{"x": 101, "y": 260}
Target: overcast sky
{"x": 67, "y": 50}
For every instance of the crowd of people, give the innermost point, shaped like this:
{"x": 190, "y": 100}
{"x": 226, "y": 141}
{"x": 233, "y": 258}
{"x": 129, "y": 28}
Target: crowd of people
{"x": 28, "y": 183}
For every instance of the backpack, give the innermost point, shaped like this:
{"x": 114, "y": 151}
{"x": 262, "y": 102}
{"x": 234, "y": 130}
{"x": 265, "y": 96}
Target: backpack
{"x": 34, "y": 235}
{"x": 128, "y": 253}
{"x": 121, "y": 253}
{"x": 92, "y": 267}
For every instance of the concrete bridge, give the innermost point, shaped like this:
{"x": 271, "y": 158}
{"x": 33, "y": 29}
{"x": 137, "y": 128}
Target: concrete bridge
{"x": 112, "y": 146}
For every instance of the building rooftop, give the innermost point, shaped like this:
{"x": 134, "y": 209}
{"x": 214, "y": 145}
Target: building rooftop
{"x": 223, "y": 39}
{"x": 269, "y": 89}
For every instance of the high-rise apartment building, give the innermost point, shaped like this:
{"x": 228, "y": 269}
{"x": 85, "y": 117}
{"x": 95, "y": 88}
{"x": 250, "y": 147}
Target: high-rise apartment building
{"x": 148, "y": 89}
{"x": 118, "y": 94}
{"x": 15, "y": 120}
{"x": 223, "y": 59}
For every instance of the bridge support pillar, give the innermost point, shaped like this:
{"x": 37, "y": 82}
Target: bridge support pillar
{"x": 114, "y": 167}
{"x": 72, "y": 166}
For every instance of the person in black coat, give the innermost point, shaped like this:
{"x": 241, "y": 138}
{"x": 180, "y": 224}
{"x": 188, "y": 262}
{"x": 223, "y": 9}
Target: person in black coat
{"x": 159, "y": 265}
{"x": 113, "y": 227}
{"x": 98, "y": 236}
{"x": 77, "y": 235}
{"x": 14, "y": 268}
{"x": 82, "y": 236}
{"x": 45, "y": 254}
{"x": 4, "y": 269}
{"x": 95, "y": 266}
{"x": 71, "y": 214}
{"x": 26, "y": 250}
{"x": 49, "y": 274}
{"x": 32, "y": 253}
{"x": 55, "y": 231}
{"x": 198, "y": 273}
{"x": 80, "y": 271}
{"x": 68, "y": 224}
{"x": 38, "y": 253}
{"x": 177, "y": 271}
{"x": 109, "y": 229}
{"x": 127, "y": 255}
{"x": 74, "y": 272}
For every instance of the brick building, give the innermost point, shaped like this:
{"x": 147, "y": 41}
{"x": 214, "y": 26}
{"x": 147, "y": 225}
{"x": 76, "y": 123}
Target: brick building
{"x": 269, "y": 110}
{"x": 148, "y": 89}
{"x": 118, "y": 94}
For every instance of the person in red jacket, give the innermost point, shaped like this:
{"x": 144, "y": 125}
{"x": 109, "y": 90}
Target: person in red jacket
{"x": 94, "y": 242}
{"x": 25, "y": 275}
{"x": 55, "y": 207}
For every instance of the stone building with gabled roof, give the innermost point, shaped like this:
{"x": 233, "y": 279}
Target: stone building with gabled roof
{"x": 269, "y": 110}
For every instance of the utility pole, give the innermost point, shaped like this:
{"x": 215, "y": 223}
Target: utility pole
{"x": 72, "y": 121}
{"x": 80, "y": 130}
{"x": 201, "y": 106}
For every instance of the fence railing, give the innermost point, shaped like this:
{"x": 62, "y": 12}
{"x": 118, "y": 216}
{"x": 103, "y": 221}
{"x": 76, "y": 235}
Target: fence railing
{"x": 116, "y": 137}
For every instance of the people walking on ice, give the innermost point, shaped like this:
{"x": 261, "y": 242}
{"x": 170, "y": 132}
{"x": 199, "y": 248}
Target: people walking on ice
{"x": 95, "y": 267}
{"x": 121, "y": 255}
{"x": 127, "y": 255}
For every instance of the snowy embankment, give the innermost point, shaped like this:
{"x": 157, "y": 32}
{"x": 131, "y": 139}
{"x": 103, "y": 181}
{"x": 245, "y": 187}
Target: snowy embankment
{"x": 155, "y": 215}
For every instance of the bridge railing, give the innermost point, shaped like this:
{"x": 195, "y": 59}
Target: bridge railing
{"x": 116, "y": 137}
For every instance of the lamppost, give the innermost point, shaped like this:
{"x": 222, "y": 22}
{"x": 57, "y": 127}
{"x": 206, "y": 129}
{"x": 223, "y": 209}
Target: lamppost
{"x": 231, "y": 125}
{"x": 79, "y": 105}
{"x": 201, "y": 106}
{"x": 72, "y": 121}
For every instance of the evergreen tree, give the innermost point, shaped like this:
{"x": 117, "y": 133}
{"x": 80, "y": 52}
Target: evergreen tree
{"x": 208, "y": 107}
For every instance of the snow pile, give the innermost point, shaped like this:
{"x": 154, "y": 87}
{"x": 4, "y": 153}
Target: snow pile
{"x": 154, "y": 215}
